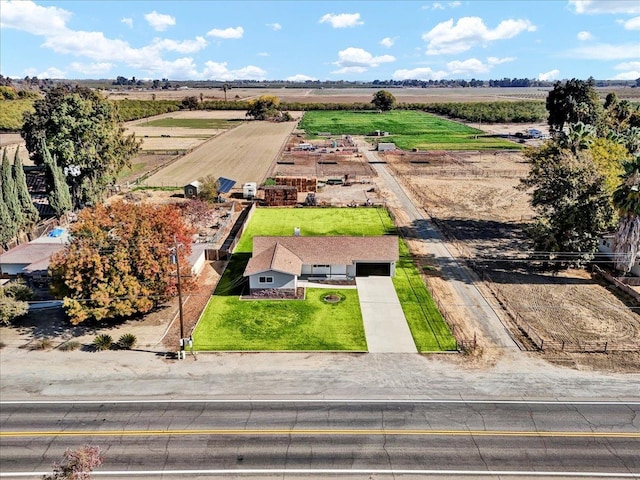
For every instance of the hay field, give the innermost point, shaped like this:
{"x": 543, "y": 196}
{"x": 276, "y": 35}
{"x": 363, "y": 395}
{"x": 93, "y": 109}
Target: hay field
{"x": 244, "y": 154}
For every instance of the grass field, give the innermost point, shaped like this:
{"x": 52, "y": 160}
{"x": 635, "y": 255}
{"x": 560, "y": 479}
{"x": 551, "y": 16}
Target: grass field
{"x": 231, "y": 324}
{"x": 316, "y": 221}
{"x": 408, "y": 129}
{"x": 12, "y": 112}
{"x": 202, "y": 123}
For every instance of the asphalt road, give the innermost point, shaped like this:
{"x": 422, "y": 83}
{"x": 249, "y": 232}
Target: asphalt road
{"x": 177, "y": 439}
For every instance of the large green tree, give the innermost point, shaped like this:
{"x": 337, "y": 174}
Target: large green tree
{"x": 9, "y": 192}
{"x": 572, "y": 102}
{"x": 81, "y": 129}
{"x": 118, "y": 262}
{"x": 264, "y": 108}
{"x": 29, "y": 210}
{"x": 572, "y": 202}
{"x": 383, "y": 100}
{"x": 626, "y": 199}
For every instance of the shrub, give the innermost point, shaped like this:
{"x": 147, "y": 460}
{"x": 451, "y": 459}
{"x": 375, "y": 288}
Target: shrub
{"x": 69, "y": 346}
{"x": 42, "y": 344}
{"x": 102, "y": 342}
{"x": 127, "y": 341}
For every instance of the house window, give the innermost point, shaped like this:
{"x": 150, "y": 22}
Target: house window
{"x": 265, "y": 279}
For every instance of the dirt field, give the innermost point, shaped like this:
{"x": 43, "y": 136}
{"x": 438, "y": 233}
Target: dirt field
{"x": 474, "y": 201}
{"x": 349, "y": 95}
{"x": 244, "y": 154}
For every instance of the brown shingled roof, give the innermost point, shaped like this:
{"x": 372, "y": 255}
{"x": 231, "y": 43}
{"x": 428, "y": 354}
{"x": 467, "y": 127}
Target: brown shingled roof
{"x": 276, "y": 257}
{"x": 319, "y": 250}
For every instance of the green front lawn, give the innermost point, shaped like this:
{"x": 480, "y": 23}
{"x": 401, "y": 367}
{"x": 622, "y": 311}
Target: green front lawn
{"x": 229, "y": 323}
{"x": 408, "y": 129}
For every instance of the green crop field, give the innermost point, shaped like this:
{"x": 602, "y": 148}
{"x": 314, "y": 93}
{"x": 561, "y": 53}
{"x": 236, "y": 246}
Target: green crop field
{"x": 408, "y": 129}
{"x": 208, "y": 123}
{"x": 229, "y": 323}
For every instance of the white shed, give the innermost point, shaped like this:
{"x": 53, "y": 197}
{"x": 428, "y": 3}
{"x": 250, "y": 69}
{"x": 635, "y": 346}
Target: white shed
{"x": 386, "y": 146}
{"x": 249, "y": 190}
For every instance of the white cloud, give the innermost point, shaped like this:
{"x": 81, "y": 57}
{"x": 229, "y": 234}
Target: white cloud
{"x": 605, "y": 6}
{"x": 632, "y": 24}
{"x": 185, "y": 46}
{"x": 32, "y": 18}
{"x": 631, "y": 71}
{"x": 91, "y": 68}
{"x": 274, "y": 26}
{"x": 51, "y": 72}
{"x": 584, "y": 36}
{"x": 263, "y": 54}
{"x": 159, "y": 21}
{"x": 219, "y": 71}
{"x": 474, "y": 66}
{"x": 357, "y": 60}
{"x": 549, "y": 76}
{"x": 605, "y": 51}
{"x": 342, "y": 20}
{"x": 127, "y": 21}
{"x": 447, "y": 38}
{"x": 226, "y": 33}
{"x": 300, "y": 78}
{"x": 422, "y": 73}
{"x": 441, "y": 6}
{"x": 387, "y": 42}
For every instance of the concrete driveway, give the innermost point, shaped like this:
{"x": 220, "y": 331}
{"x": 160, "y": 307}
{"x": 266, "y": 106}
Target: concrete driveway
{"x": 384, "y": 323}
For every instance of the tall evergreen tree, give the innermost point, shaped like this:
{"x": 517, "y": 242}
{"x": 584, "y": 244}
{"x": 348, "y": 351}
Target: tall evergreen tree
{"x": 58, "y": 191}
{"x": 9, "y": 193}
{"x": 8, "y": 230}
{"x": 29, "y": 210}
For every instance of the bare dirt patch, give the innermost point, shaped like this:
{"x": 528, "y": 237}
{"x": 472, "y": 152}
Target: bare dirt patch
{"x": 473, "y": 200}
{"x": 244, "y": 154}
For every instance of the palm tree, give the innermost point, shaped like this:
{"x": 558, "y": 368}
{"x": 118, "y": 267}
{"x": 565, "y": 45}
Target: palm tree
{"x": 626, "y": 199}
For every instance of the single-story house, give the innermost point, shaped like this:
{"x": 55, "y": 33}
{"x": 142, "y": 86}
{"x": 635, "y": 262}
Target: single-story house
{"x": 605, "y": 246}
{"x": 278, "y": 262}
{"x": 31, "y": 260}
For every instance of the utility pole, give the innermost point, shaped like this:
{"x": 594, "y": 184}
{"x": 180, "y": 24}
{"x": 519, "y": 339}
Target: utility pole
{"x": 177, "y": 258}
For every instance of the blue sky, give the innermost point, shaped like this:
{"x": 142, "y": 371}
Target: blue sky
{"x": 321, "y": 40}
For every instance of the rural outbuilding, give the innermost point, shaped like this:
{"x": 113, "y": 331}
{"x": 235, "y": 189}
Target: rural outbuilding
{"x": 192, "y": 190}
{"x": 386, "y": 146}
{"x": 278, "y": 262}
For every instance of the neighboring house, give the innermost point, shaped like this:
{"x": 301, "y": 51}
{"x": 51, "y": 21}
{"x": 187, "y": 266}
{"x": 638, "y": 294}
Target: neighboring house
{"x": 31, "y": 260}
{"x": 278, "y": 262}
{"x": 605, "y": 246}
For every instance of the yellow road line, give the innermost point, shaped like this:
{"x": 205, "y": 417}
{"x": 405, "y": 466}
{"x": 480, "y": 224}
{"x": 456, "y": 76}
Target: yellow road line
{"x": 268, "y": 432}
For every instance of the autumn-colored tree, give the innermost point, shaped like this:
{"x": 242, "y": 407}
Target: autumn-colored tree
{"x": 118, "y": 262}
{"x": 210, "y": 186}
{"x": 77, "y": 464}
